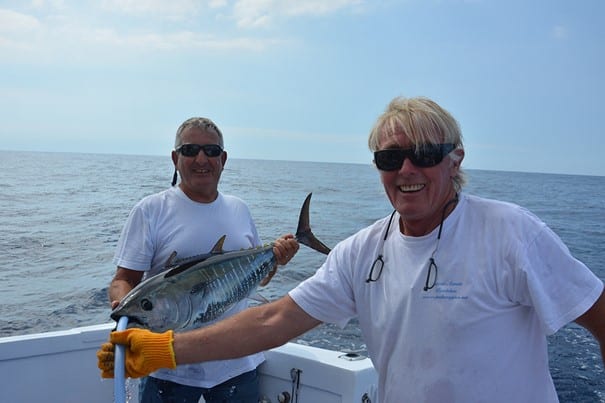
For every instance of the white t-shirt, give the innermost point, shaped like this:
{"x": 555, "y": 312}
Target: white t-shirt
{"x": 169, "y": 221}
{"x": 505, "y": 281}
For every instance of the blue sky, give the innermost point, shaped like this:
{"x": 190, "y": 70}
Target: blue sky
{"x": 305, "y": 80}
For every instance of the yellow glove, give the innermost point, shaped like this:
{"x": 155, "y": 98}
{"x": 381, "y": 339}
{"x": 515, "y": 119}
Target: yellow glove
{"x": 146, "y": 352}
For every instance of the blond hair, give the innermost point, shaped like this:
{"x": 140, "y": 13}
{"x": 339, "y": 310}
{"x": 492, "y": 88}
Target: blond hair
{"x": 422, "y": 121}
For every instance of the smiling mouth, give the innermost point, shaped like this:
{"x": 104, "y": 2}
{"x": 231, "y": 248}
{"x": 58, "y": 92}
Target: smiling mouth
{"x": 411, "y": 188}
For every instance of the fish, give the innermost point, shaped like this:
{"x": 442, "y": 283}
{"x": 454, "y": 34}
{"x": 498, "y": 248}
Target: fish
{"x": 194, "y": 291}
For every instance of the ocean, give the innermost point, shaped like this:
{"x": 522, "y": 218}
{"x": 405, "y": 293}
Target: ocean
{"x": 62, "y": 214}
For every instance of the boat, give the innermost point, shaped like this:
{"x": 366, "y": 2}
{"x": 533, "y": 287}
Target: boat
{"x": 61, "y": 367}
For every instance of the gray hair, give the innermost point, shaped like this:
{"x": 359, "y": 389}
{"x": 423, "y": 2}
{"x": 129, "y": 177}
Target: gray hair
{"x": 205, "y": 124}
{"x": 422, "y": 121}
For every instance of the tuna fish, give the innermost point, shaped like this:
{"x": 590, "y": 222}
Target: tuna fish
{"x": 197, "y": 290}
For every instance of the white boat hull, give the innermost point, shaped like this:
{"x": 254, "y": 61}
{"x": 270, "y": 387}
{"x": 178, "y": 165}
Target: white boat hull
{"x": 61, "y": 367}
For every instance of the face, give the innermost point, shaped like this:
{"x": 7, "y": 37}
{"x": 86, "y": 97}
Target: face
{"x": 418, "y": 194}
{"x": 200, "y": 174}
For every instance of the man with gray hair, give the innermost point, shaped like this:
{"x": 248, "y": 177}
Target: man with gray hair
{"x": 190, "y": 218}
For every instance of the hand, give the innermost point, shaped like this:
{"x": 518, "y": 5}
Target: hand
{"x": 284, "y": 248}
{"x": 146, "y": 352}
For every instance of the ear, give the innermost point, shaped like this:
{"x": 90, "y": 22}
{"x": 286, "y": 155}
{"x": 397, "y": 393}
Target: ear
{"x": 175, "y": 157}
{"x": 224, "y": 158}
{"x": 459, "y": 157}
{"x": 456, "y": 160}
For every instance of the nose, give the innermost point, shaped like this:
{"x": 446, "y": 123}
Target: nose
{"x": 201, "y": 157}
{"x": 407, "y": 166}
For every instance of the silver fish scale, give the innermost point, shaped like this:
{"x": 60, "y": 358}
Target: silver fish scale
{"x": 235, "y": 279}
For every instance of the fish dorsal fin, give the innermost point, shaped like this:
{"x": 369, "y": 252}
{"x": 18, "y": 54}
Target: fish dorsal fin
{"x": 177, "y": 270}
{"x": 218, "y": 246}
{"x": 170, "y": 259}
{"x": 217, "y": 249}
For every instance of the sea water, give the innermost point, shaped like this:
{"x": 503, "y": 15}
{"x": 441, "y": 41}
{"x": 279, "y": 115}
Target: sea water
{"x": 62, "y": 214}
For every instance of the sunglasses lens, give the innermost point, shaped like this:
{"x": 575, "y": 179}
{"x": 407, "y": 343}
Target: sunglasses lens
{"x": 389, "y": 160}
{"x": 192, "y": 150}
{"x": 427, "y": 156}
{"x": 189, "y": 150}
{"x": 212, "y": 150}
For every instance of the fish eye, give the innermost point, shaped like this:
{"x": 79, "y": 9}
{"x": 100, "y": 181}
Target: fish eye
{"x": 146, "y": 305}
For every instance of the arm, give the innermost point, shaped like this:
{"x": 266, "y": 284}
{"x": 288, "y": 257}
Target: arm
{"x": 253, "y": 330}
{"x": 123, "y": 281}
{"x": 594, "y": 321}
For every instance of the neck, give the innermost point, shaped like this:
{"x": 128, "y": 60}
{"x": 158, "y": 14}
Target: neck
{"x": 423, "y": 227}
{"x": 200, "y": 197}
{"x": 450, "y": 205}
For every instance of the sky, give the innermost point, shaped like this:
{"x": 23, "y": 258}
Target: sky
{"x": 306, "y": 80}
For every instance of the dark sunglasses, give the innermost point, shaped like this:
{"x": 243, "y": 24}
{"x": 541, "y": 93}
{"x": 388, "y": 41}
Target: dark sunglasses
{"x": 428, "y": 155}
{"x": 192, "y": 150}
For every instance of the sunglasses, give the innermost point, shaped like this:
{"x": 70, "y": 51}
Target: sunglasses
{"x": 428, "y": 155}
{"x": 192, "y": 150}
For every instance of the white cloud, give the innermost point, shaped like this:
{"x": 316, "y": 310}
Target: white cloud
{"x": 169, "y": 9}
{"x": 316, "y": 7}
{"x": 18, "y": 33}
{"x": 80, "y": 35}
{"x": 217, "y": 3}
{"x": 53, "y": 4}
{"x": 260, "y": 13}
{"x": 13, "y": 22}
{"x": 185, "y": 40}
{"x": 49, "y": 30}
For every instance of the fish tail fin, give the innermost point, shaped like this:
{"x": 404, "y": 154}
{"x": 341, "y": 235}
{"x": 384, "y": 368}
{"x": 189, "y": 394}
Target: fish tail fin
{"x": 304, "y": 234}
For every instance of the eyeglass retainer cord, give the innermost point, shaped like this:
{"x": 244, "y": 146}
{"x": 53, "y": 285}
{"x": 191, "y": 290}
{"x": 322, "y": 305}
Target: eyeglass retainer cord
{"x": 379, "y": 258}
{"x": 432, "y": 258}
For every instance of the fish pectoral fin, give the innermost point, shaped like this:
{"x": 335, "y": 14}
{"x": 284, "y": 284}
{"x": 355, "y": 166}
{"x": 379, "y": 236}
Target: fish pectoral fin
{"x": 201, "y": 287}
{"x": 259, "y": 298}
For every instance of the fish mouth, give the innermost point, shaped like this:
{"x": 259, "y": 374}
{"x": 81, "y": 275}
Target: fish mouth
{"x": 132, "y": 321}
{"x": 115, "y": 316}
{"x": 135, "y": 323}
